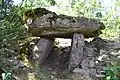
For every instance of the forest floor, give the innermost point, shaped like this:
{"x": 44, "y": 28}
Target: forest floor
{"x": 99, "y": 53}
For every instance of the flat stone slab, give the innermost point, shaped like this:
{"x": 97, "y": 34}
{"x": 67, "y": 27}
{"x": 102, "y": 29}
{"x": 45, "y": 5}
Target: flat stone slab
{"x": 43, "y": 23}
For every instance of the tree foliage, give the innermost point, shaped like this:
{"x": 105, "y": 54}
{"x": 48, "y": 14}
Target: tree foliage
{"x": 12, "y": 31}
{"x": 11, "y": 26}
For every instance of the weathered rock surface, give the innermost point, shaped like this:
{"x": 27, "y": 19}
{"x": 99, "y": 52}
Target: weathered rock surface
{"x": 96, "y": 54}
{"x": 41, "y": 50}
{"x": 88, "y": 57}
{"x": 49, "y": 24}
{"x": 76, "y": 53}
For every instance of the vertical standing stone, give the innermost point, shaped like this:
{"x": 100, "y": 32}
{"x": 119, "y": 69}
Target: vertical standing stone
{"x": 76, "y": 53}
{"x": 42, "y": 50}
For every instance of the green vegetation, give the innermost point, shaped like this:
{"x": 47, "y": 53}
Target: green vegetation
{"x": 13, "y": 33}
{"x": 112, "y": 73}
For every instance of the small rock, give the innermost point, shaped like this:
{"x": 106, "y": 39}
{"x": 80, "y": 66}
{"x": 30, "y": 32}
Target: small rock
{"x": 81, "y": 71}
{"x": 100, "y": 76}
{"x": 92, "y": 63}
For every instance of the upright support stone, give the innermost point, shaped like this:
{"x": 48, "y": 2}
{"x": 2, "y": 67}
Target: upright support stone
{"x": 76, "y": 53}
{"x": 42, "y": 50}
